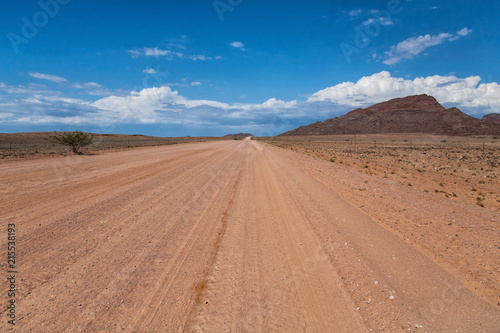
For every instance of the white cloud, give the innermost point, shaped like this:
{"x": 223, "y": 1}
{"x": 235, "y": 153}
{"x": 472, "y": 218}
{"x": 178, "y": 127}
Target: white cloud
{"x": 381, "y": 17}
{"x": 46, "y": 108}
{"x": 383, "y": 21}
{"x": 138, "y": 105}
{"x": 92, "y": 85}
{"x": 199, "y": 57}
{"x": 147, "y": 105}
{"x": 463, "y": 92}
{"x": 238, "y": 45}
{"x": 152, "y": 104}
{"x": 355, "y": 12}
{"x": 106, "y": 92}
{"x": 194, "y": 84}
{"x": 87, "y": 85}
{"x": 63, "y": 99}
{"x": 148, "y": 51}
{"x": 22, "y": 90}
{"x": 413, "y": 46}
{"x": 173, "y": 84}
{"x": 156, "y": 52}
{"x": 149, "y": 71}
{"x": 48, "y": 77}
{"x": 378, "y": 17}
{"x": 464, "y": 32}
{"x": 273, "y": 103}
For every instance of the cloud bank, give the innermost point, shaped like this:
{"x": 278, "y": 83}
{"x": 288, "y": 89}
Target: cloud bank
{"x": 463, "y": 92}
{"x": 162, "y": 106}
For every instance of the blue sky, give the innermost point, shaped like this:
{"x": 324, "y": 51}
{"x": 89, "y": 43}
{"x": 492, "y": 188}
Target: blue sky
{"x": 205, "y": 67}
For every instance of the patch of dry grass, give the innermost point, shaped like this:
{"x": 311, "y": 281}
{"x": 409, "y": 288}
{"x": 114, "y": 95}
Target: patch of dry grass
{"x": 40, "y": 144}
{"x": 453, "y": 167}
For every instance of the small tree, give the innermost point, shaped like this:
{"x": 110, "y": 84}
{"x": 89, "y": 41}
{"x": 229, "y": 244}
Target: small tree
{"x": 75, "y": 140}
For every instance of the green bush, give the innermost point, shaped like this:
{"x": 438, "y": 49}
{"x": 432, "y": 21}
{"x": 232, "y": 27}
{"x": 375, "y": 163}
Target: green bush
{"x": 75, "y": 140}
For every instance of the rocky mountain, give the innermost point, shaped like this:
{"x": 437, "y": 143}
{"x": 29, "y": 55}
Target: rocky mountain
{"x": 412, "y": 114}
{"x": 493, "y": 117}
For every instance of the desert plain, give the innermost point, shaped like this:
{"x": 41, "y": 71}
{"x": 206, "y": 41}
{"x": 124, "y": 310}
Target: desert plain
{"x": 373, "y": 233}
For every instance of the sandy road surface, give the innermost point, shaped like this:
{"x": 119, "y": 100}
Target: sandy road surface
{"x": 222, "y": 236}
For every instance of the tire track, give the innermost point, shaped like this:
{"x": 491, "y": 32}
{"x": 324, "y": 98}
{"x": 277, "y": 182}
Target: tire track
{"x": 202, "y": 284}
{"x": 319, "y": 313}
{"x": 159, "y": 292}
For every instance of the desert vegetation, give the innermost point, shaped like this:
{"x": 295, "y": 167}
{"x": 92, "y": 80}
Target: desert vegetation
{"x": 74, "y": 140}
{"x": 41, "y": 144}
{"x": 461, "y": 168}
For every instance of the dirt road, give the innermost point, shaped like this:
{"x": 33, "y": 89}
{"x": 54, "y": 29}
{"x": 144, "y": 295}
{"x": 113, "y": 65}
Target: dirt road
{"x": 233, "y": 236}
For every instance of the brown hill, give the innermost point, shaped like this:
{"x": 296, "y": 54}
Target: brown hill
{"x": 238, "y": 135}
{"x": 412, "y": 114}
{"x": 493, "y": 117}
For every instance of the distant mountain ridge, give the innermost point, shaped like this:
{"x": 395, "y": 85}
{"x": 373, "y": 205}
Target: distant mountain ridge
{"x": 412, "y": 114}
{"x": 238, "y": 135}
{"x": 493, "y": 117}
